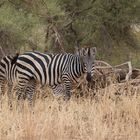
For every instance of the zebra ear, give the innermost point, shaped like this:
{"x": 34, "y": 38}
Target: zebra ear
{"x": 94, "y": 50}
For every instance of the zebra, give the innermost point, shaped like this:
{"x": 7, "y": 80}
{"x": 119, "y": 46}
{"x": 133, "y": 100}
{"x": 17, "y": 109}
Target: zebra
{"x": 7, "y": 74}
{"x": 7, "y": 79}
{"x": 54, "y": 70}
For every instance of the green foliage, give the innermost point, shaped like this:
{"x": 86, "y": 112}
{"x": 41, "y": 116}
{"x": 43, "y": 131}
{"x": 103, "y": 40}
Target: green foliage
{"x": 99, "y": 20}
{"x": 16, "y": 25}
{"x": 12, "y": 20}
{"x": 62, "y": 24}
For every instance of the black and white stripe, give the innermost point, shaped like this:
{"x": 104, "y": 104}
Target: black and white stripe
{"x": 54, "y": 70}
{"x": 7, "y": 74}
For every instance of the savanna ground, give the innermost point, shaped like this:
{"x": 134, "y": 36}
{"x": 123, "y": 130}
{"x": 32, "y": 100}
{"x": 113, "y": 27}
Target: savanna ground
{"x": 112, "y": 114}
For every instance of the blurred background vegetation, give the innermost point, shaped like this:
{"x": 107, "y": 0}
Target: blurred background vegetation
{"x": 113, "y": 26}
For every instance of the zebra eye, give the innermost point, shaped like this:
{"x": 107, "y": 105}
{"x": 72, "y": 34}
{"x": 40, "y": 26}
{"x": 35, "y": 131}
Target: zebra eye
{"x": 85, "y": 65}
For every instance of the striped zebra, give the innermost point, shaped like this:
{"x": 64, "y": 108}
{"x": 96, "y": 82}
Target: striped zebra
{"x": 7, "y": 74}
{"x": 8, "y": 77}
{"x": 54, "y": 70}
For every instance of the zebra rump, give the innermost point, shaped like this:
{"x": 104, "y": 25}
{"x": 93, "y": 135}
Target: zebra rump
{"x": 7, "y": 74}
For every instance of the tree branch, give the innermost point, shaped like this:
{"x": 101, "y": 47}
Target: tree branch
{"x": 58, "y": 38}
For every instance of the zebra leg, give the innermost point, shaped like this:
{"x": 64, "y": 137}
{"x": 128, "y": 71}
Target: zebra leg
{"x": 10, "y": 94}
{"x": 67, "y": 92}
{"x": 58, "y": 89}
{"x": 20, "y": 90}
{"x": 2, "y": 90}
{"x": 2, "y": 87}
{"x": 0, "y": 96}
{"x": 30, "y": 92}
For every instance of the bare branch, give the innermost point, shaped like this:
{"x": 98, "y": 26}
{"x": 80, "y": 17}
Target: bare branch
{"x": 99, "y": 63}
{"x": 128, "y": 67}
{"x": 58, "y": 38}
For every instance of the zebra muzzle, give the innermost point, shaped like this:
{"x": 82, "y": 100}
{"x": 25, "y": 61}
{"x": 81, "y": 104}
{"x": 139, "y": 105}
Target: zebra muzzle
{"x": 89, "y": 77}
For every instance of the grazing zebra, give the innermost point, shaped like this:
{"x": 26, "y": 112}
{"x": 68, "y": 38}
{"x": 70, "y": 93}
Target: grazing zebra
{"x": 7, "y": 74}
{"x": 54, "y": 70}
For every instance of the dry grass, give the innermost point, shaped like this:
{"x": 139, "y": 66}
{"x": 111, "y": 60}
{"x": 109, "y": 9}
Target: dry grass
{"x": 113, "y": 114}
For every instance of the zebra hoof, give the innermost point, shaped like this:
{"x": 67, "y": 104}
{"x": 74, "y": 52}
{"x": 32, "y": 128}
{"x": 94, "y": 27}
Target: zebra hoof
{"x": 10, "y": 107}
{"x": 66, "y": 98}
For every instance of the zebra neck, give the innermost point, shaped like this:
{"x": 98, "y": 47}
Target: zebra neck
{"x": 83, "y": 70}
{"x": 80, "y": 66}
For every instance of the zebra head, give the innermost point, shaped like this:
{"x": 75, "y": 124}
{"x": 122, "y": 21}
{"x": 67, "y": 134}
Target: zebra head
{"x": 87, "y": 56}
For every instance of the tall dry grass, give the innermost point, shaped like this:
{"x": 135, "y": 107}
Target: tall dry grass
{"x": 112, "y": 114}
